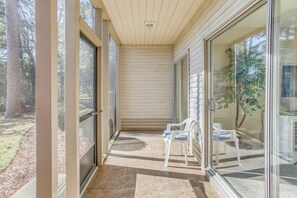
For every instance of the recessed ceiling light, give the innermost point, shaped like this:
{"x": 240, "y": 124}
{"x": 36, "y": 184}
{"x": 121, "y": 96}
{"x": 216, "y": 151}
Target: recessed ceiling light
{"x": 150, "y": 24}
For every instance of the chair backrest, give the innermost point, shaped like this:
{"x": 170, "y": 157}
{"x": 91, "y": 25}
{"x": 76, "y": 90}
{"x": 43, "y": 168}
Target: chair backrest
{"x": 195, "y": 128}
{"x": 217, "y": 126}
{"x": 188, "y": 123}
{"x": 196, "y": 133}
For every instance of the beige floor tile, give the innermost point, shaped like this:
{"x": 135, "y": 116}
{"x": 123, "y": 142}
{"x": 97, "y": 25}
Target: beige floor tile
{"x": 135, "y": 168}
{"x": 103, "y": 193}
{"x": 130, "y": 180}
{"x": 128, "y": 193}
{"x": 150, "y": 191}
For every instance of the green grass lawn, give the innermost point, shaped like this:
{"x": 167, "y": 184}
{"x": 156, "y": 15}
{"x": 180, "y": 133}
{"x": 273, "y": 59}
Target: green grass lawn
{"x": 11, "y": 133}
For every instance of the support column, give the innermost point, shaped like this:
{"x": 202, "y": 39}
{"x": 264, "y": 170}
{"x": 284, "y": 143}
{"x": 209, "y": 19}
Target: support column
{"x": 46, "y": 99}
{"x": 98, "y": 31}
{"x": 98, "y": 23}
{"x": 118, "y": 108}
{"x": 72, "y": 36}
{"x": 105, "y": 80}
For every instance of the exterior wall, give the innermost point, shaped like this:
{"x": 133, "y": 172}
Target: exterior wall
{"x": 146, "y": 87}
{"x": 212, "y": 16}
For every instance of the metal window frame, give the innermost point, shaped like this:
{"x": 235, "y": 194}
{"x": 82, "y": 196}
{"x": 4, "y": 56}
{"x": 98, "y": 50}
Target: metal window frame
{"x": 84, "y": 117}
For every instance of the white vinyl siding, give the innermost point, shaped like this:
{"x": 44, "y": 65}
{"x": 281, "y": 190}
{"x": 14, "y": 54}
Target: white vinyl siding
{"x": 146, "y": 87}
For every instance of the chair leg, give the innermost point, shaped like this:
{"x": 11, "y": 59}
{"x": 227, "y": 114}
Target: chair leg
{"x": 165, "y": 158}
{"x": 217, "y": 145}
{"x": 181, "y": 149}
{"x": 168, "y": 144}
{"x": 190, "y": 147}
{"x": 237, "y": 150}
{"x": 186, "y": 152}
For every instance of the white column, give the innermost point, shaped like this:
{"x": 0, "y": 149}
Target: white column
{"x": 98, "y": 31}
{"x": 46, "y": 99}
{"x": 105, "y": 80}
{"x": 98, "y": 23}
{"x": 72, "y": 36}
{"x": 118, "y": 113}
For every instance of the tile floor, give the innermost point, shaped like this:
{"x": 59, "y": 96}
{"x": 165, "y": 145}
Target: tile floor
{"x": 135, "y": 168}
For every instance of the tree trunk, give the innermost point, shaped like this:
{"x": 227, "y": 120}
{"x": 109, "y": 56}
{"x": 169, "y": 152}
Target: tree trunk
{"x": 13, "y": 106}
{"x": 237, "y": 114}
{"x": 237, "y": 123}
{"x": 262, "y": 126}
{"x": 242, "y": 120}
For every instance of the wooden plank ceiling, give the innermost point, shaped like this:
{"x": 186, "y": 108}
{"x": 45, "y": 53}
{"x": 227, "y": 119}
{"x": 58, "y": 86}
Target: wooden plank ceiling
{"x": 170, "y": 16}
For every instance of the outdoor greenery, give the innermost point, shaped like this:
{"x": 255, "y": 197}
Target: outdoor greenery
{"x": 17, "y": 71}
{"x": 18, "y": 82}
{"x": 11, "y": 133}
{"x": 24, "y": 40}
{"x": 17, "y": 74}
{"x": 244, "y": 78}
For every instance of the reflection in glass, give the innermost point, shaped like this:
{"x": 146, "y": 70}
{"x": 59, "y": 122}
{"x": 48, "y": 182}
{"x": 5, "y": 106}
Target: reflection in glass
{"x": 284, "y": 125}
{"x": 87, "y": 12}
{"x": 87, "y": 59}
{"x": 61, "y": 102}
{"x": 86, "y": 134}
{"x": 87, "y": 125}
{"x": 238, "y": 87}
{"x": 112, "y": 85}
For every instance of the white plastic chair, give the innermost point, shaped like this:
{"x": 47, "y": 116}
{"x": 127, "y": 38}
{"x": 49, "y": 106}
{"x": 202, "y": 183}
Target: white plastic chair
{"x": 221, "y": 135}
{"x": 183, "y": 136}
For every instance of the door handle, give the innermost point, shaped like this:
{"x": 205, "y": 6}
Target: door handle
{"x": 212, "y": 104}
{"x": 96, "y": 113}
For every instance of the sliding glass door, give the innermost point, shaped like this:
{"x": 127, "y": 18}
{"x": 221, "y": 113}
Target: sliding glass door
{"x": 181, "y": 89}
{"x": 237, "y": 104}
{"x": 88, "y": 110}
{"x": 282, "y": 123}
{"x": 253, "y": 135}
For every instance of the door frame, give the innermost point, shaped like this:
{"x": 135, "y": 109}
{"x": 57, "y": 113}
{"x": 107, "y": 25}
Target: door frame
{"x": 93, "y": 113}
{"x": 187, "y": 57}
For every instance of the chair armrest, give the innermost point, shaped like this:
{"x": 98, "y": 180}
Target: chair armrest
{"x": 173, "y": 125}
{"x": 173, "y": 133}
{"x": 200, "y": 136}
{"x": 232, "y": 132}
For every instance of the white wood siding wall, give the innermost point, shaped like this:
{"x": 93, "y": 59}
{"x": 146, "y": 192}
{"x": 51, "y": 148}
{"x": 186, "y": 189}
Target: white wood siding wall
{"x": 212, "y": 16}
{"x": 146, "y": 87}
{"x": 193, "y": 94}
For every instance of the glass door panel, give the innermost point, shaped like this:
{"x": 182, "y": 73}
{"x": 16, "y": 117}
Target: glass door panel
{"x": 112, "y": 86}
{"x": 87, "y": 146}
{"x": 284, "y": 96}
{"x": 185, "y": 89}
{"x": 177, "y": 92}
{"x": 237, "y": 82}
{"x": 87, "y": 110}
{"x": 181, "y": 74}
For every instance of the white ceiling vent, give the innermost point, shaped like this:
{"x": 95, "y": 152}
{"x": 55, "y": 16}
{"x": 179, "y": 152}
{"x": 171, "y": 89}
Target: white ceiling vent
{"x": 150, "y": 25}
